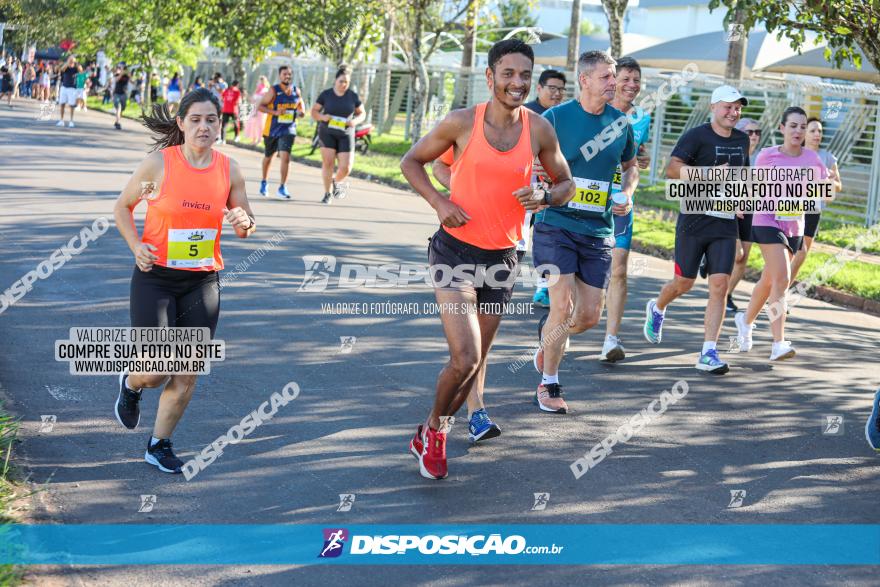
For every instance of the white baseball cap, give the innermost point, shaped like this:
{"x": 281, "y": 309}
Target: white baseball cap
{"x": 728, "y": 94}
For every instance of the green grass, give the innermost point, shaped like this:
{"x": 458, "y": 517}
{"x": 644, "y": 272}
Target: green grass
{"x": 855, "y": 277}
{"x": 9, "y": 574}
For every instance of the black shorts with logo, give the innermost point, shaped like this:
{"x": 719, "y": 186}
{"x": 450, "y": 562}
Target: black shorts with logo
{"x": 720, "y": 254}
{"x": 283, "y": 143}
{"x": 489, "y": 274}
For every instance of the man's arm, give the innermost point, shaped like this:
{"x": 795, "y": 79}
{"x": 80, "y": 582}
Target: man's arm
{"x": 553, "y": 162}
{"x": 442, "y": 173}
{"x": 673, "y": 169}
{"x": 629, "y": 181}
{"x": 429, "y": 148}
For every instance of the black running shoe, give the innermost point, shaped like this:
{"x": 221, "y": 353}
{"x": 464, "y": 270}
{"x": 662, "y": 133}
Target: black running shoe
{"x": 731, "y": 307}
{"x": 161, "y": 455}
{"x": 128, "y": 410}
{"x": 326, "y": 199}
{"x": 704, "y": 268}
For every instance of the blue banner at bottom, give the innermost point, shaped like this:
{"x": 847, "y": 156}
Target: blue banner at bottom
{"x": 146, "y": 544}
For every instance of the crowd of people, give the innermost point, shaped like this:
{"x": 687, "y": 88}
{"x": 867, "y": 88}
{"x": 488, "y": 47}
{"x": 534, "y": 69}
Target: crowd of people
{"x": 519, "y": 181}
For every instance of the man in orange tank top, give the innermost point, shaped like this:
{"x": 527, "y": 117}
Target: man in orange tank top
{"x": 473, "y": 254}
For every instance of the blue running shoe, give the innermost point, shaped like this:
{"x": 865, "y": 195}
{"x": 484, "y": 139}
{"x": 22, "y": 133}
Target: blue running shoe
{"x": 282, "y": 192}
{"x": 481, "y": 427}
{"x": 542, "y": 298}
{"x": 653, "y": 323}
{"x": 872, "y": 428}
{"x": 264, "y": 188}
{"x": 710, "y": 362}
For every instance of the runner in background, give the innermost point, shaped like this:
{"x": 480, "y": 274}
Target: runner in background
{"x": 190, "y": 190}
{"x": 812, "y": 142}
{"x": 338, "y": 111}
{"x": 578, "y": 237}
{"x": 68, "y": 94}
{"x": 629, "y": 85}
{"x": 231, "y": 102}
{"x": 780, "y": 236}
{"x": 494, "y": 146}
{"x": 550, "y": 93}
{"x": 744, "y": 224}
{"x": 173, "y": 94}
{"x": 120, "y": 94}
{"x": 281, "y": 103}
{"x": 713, "y": 234}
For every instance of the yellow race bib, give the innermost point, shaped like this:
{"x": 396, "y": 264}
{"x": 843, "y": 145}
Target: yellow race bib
{"x": 337, "y": 123}
{"x": 191, "y": 247}
{"x": 590, "y": 195}
{"x": 286, "y": 118}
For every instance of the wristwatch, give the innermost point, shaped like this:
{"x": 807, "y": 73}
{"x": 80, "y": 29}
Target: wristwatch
{"x": 547, "y": 197}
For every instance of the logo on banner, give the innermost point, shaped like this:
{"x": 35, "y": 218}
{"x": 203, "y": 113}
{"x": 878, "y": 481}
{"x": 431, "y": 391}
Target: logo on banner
{"x": 334, "y": 540}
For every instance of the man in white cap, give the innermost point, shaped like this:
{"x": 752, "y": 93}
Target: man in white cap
{"x": 713, "y": 234}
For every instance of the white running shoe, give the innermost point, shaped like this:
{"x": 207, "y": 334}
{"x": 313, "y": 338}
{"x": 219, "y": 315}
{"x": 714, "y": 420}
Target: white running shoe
{"x": 612, "y": 350}
{"x": 60, "y": 123}
{"x": 70, "y": 124}
{"x": 782, "y": 351}
{"x": 744, "y": 332}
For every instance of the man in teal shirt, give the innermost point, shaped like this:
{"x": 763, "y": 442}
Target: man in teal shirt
{"x": 578, "y": 238}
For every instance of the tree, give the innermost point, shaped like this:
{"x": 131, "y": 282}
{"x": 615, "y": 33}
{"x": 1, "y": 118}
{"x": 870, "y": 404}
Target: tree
{"x": 843, "y": 24}
{"x": 614, "y": 10}
{"x": 574, "y": 41}
{"x": 417, "y": 19}
{"x": 340, "y": 30}
{"x": 588, "y": 27}
{"x": 246, "y": 29}
{"x": 738, "y": 39}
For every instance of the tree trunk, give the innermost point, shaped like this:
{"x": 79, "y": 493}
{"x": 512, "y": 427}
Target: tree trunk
{"x": 419, "y": 75}
{"x": 574, "y": 37}
{"x": 239, "y": 73}
{"x": 614, "y": 10}
{"x": 736, "y": 52}
{"x": 146, "y": 98}
{"x": 468, "y": 57}
{"x": 384, "y": 80}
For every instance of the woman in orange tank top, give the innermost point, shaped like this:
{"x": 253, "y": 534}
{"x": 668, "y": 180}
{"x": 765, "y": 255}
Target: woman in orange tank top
{"x": 190, "y": 189}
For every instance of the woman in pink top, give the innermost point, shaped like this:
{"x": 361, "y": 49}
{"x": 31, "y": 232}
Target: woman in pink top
{"x": 257, "y": 120}
{"x": 780, "y": 236}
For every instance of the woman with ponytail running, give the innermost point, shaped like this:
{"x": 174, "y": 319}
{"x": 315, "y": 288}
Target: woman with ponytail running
{"x": 190, "y": 189}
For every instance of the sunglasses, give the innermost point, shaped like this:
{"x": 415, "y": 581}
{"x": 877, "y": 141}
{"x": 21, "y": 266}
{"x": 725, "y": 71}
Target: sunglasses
{"x": 555, "y": 89}
{"x": 754, "y": 132}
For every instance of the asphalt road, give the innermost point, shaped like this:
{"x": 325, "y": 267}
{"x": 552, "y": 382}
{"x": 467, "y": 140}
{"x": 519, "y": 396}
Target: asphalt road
{"x": 759, "y": 428}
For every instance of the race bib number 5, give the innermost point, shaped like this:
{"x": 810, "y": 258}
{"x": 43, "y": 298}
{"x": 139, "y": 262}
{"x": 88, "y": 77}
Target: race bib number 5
{"x": 191, "y": 247}
{"x": 590, "y": 195}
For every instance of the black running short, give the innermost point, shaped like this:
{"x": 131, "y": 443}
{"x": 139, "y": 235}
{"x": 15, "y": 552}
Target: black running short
{"x": 689, "y": 250}
{"x": 744, "y": 228}
{"x": 174, "y": 297}
{"x": 338, "y": 141}
{"x": 489, "y": 274}
{"x": 811, "y": 224}
{"x": 768, "y": 235}
{"x": 272, "y": 145}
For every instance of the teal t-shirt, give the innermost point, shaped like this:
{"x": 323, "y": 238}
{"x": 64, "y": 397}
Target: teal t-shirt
{"x": 593, "y": 145}
{"x": 81, "y": 80}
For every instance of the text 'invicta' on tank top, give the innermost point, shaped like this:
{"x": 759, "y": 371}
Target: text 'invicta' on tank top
{"x": 184, "y": 221}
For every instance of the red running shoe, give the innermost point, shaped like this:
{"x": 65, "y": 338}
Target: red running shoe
{"x": 416, "y": 445}
{"x": 432, "y": 460}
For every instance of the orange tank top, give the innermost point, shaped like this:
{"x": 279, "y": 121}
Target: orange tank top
{"x": 482, "y": 183}
{"x": 184, "y": 221}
